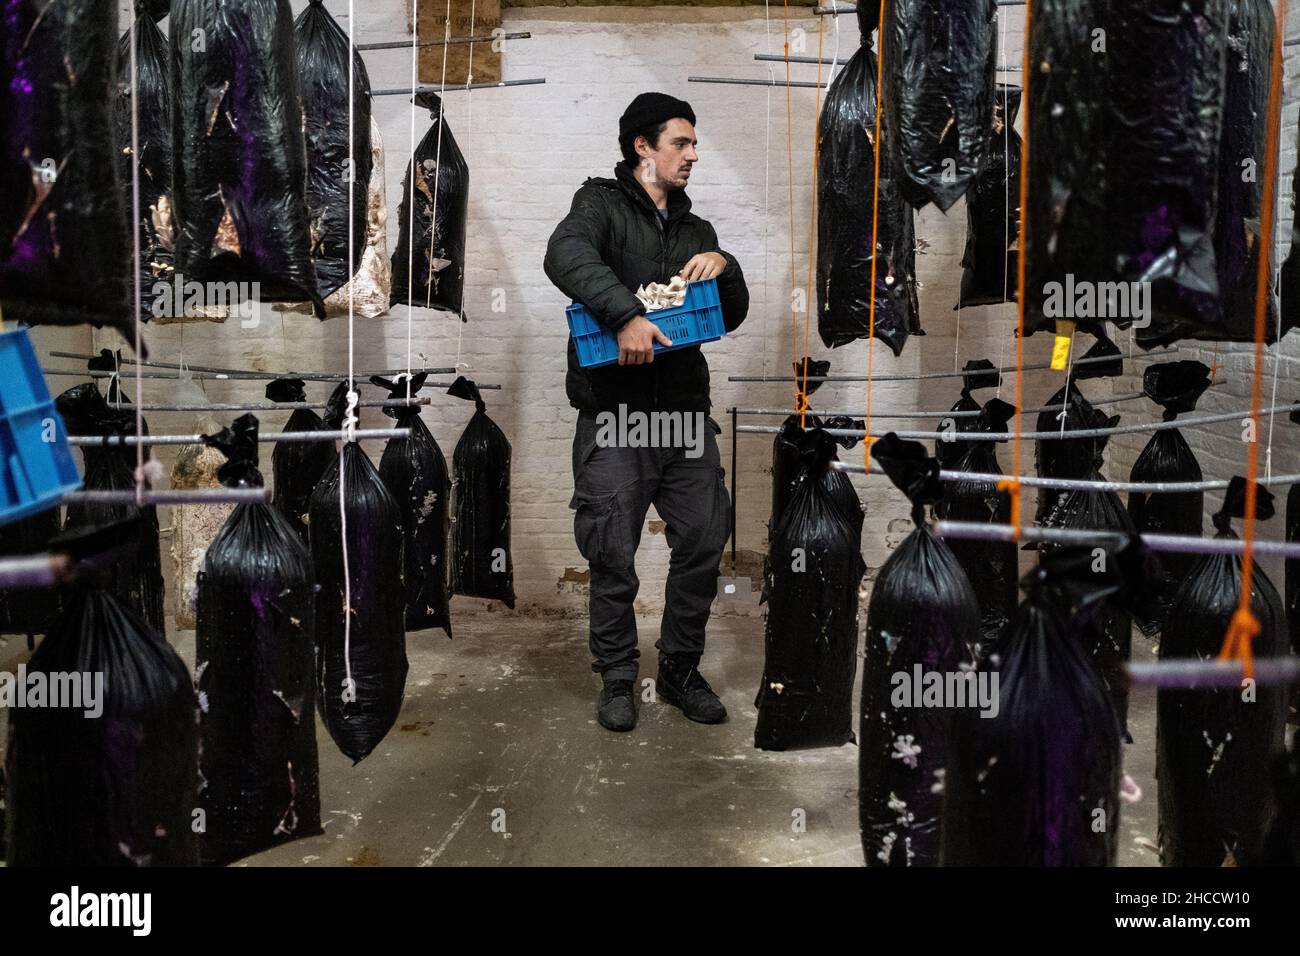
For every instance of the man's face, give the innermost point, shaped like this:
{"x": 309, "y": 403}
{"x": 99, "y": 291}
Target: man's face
{"x": 670, "y": 163}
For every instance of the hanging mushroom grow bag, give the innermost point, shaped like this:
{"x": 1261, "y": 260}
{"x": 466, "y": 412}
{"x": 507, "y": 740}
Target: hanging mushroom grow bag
{"x": 1175, "y": 386}
{"x": 297, "y": 467}
{"x": 415, "y": 472}
{"x": 978, "y": 373}
{"x": 432, "y": 273}
{"x": 137, "y": 579}
{"x": 992, "y": 567}
{"x": 991, "y": 263}
{"x": 29, "y": 611}
{"x": 111, "y": 779}
{"x": 481, "y": 565}
{"x": 239, "y": 157}
{"x": 940, "y": 59}
{"x": 360, "y": 669}
{"x": 1214, "y": 747}
{"x": 922, "y": 630}
{"x": 337, "y": 134}
{"x": 255, "y": 670}
{"x": 1029, "y": 786}
{"x": 154, "y": 136}
{"x": 815, "y": 566}
{"x": 64, "y": 240}
{"x": 846, "y": 190}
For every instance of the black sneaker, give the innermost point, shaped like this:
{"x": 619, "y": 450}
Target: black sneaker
{"x": 681, "y": 684}
{"x": 616, "y": 706}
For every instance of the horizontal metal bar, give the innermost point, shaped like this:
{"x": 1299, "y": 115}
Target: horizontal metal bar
{"x": 1053, "y": 435}
{"x": 225, "y": 372}
{"x": 400, "y": 45}
{"x": 1172, "y": 543}
{"x": 1190, "y": 673}
{"x": 186, "y": 496}
{"x": 249, "y": 377}
{"x": 361, "y": 434}
{"x": 1154, "y": 353}
{"x": 797, "y": 58}
{"x": 36, "y": 571}
{"x": 1078, "y": 484}
{"x": 452, "y": 88}
{"x": 742, "y": 81}
{"x": 948, "y": 414}
{"x": 267, "y": 406}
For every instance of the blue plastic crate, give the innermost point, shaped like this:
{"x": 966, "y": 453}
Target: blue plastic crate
{"x": 697, "y": 320}
{"x": 36, "y": 465}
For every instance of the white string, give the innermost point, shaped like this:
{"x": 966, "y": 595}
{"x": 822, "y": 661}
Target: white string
{"x": 135, "y": 263}
{"x": 1069, "y": 367}
{"x": 469, "y": 142}
{"x": 350, "y": 415}
{"x": 437, "y": 169}
{"x": 1006, "y": 164}
{"x": 767, "y": 175}
{"x": 410, "y": 212}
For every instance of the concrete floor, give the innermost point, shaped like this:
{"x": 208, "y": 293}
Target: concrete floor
{"x": 497, "y": 759}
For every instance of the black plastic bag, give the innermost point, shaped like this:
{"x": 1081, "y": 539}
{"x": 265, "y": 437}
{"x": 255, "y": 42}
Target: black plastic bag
{"x": 785, "y": 446}
{"x": 1215, "y": 747}
{"x": 1292, "y": 580}
{"x": 481, "y": 565}
{"x": 361, "y": 672}
{"x": 805, "y": 698}
{"x": 1241, "y": 187}
{"x": 415, "y": 471}
{"x": 255, "y": 670}
{"x": 29, "y": 611}
{"x": 1109, "y": 643}
{"x": 119, "y": 788}
{"x": 1175, "y": 386}
{"x": 923, "y": 619}
{"x": 436, "y": 276}
{"x": 1073, "y": 458}
{"x": 978, "y": 373}
{"x": 1283, "y": 847}
{"x": 154, "y": 135}
{"x": 64, "y": 240}
{"x": 846, "y": 179}
{"x": 297, "y": 467}
{"x": 940, "y": 59}
{"x": 240, "y": 159}
{"x": 137, "y": 579}
{"x": 1029, "y": 786}
{"x": 323, "y": 73}
{"x": 1165, "y": 145}
{"x": 991, "y": 263}
{"x": 991, "y": 566}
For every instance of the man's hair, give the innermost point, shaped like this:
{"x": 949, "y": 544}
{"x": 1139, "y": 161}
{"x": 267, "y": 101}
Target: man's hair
{"x": 651, "y": 133}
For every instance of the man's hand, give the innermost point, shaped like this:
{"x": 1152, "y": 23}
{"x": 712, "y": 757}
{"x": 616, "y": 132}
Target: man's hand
{"x": 636, "y": 341}
{"x": 706, "y": 265}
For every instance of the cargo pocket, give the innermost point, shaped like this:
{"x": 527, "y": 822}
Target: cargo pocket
{"x": 600, "y": 527}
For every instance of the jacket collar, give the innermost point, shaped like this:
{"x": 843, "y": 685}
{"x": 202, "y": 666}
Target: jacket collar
{"x": 678, "y": 202}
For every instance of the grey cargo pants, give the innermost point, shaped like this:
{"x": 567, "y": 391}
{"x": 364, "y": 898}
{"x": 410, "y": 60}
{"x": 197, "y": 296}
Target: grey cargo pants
{"x": 613, "y": 489}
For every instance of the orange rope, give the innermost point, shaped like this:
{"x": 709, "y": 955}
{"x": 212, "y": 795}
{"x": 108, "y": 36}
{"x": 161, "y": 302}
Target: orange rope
{"x": 875, "y": 248}
{"x": 812, "y": 216}
{"x": 1244, "y": 627}
{"x": 1013, "y": 485}
{"x": 789, "y": 177}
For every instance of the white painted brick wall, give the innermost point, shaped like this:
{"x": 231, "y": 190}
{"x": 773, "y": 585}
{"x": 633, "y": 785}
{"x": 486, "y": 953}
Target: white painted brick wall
{"x": 529, "y": 148}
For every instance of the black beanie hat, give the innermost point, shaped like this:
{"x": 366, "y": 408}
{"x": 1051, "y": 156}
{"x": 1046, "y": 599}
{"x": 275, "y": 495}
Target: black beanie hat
{"x": 650, "y": 109}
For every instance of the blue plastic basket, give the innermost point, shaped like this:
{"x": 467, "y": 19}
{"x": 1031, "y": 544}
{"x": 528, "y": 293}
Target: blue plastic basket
{"x": 698, "y": 319}
{"x": 36, "y": 466}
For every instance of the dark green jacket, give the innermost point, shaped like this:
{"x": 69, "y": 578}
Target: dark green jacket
{"x": 611, "y": 242}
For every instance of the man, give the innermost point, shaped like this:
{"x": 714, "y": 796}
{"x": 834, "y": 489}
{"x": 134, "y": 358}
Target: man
{"x": 621, "y": 233}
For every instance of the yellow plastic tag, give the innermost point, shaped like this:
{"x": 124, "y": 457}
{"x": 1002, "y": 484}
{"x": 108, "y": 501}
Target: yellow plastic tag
{"x": 1060, "y": 353}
